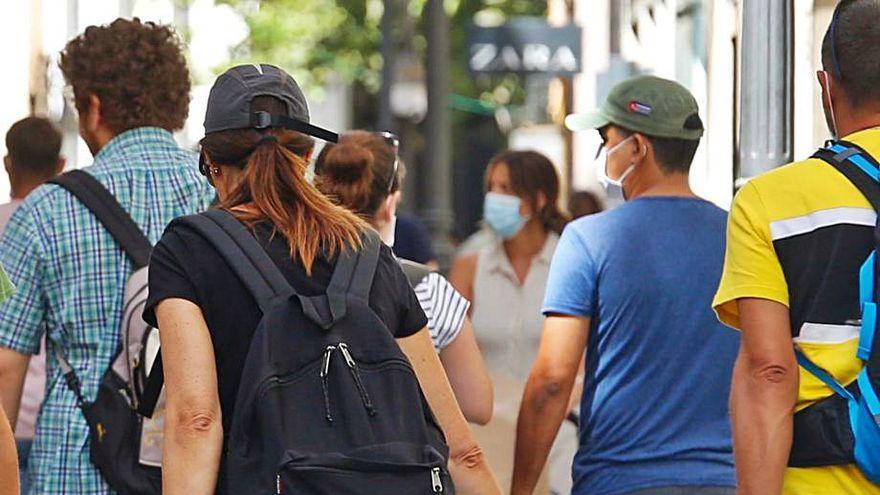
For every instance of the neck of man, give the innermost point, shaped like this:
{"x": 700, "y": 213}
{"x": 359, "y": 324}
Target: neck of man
{"x": 661, "y": 184}
{"x": 859, "y": 122}
{"x": 22, "y": 186}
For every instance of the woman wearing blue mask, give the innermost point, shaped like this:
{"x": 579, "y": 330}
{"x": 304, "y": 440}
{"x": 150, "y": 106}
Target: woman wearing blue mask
{"x": 505, "y": 282}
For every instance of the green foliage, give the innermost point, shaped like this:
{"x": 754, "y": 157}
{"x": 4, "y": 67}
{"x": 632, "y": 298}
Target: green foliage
{"x": 313, "y": 39}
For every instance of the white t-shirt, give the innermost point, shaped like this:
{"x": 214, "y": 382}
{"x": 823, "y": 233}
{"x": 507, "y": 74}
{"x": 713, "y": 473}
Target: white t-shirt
{"x": 35, "y": 380}
{"x": 6, "y": 211}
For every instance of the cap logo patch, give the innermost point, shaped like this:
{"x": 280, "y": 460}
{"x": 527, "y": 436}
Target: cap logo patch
{"x": 640, "y": 108}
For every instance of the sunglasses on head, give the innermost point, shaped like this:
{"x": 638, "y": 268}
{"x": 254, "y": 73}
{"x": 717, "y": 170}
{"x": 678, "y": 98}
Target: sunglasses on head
{"x": 393, "y": 141}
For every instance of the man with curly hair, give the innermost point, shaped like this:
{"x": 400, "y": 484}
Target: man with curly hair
{"x": 131, "y": 90}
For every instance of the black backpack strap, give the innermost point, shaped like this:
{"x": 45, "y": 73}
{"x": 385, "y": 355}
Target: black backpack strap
{"x": 243, "y": 253}
{"x": 855, "y": 164}
{"x": 365, "y": 270}
{"x": 415, "y": 272}
{"x": 109, "y": 212}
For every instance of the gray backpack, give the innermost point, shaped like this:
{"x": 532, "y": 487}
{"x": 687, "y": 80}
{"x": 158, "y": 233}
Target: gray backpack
{"x": 126, "y": 418}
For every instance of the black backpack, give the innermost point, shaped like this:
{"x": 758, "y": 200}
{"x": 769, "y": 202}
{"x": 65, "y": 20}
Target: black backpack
{"x": 328, "y": 403}
{"x": 125, "y": 444}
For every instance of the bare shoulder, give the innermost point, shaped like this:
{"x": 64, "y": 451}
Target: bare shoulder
{"x": 464, "y": 268}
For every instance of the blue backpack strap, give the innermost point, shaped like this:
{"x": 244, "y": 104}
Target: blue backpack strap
{"x": 822, "y": 375}
{"x": 865, "y": 175}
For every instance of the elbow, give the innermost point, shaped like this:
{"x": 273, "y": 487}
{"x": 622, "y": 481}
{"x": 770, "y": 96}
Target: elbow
{"x": 481, "y": 413}
{"x": 772, "y": 372}
{"x": 545, "y": 388}
{"x": 469, "y": 457}
{"x": 197, "y": 422}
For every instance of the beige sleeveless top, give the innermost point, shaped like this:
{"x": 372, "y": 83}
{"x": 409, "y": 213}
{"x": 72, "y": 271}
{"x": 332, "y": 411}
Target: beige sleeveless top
{"x": 507, "y": 315}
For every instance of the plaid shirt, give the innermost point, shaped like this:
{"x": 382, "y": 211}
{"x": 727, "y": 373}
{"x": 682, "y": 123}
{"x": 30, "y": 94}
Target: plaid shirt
{"x": 70, "y": 276}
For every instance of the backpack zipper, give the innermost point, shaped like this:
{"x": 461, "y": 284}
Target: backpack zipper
{"x": 325, "y": 370}
{"x": 355, "y": 373}
{"x": 436, "y": 482}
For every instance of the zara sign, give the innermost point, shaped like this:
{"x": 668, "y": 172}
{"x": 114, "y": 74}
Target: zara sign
{"x": 526, "y": 45}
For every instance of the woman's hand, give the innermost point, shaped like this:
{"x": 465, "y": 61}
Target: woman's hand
{"x": 467, "y": 463}
{"x": 193, "y": 427}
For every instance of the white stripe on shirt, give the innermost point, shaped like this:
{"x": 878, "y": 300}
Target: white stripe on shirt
{"x": 444, "y": 306}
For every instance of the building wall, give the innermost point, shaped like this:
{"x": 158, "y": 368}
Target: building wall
{"x": 667, "y": 43}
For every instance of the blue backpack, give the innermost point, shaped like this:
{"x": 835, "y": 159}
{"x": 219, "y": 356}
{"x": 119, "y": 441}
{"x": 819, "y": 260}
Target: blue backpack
{"x": 845, "y": 427}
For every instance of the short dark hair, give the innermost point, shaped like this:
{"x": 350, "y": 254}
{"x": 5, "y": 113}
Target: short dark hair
{"x": 849, "y": 49}
{"x": 674, "y": 155}
{"x": 137, "y": 70}
{"x": 33, "y": 145}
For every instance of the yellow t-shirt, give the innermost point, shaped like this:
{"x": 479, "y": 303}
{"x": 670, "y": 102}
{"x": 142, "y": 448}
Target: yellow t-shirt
{"x": 797, "y": 235}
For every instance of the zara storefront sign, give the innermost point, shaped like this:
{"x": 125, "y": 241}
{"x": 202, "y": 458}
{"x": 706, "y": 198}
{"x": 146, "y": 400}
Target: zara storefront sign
{"x": 526, "y": 45}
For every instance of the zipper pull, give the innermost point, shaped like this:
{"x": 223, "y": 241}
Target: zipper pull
{"x": 436, "y": 482}
{"x": 278, "y": 484}
{"x": 356, "y": 374}
{"x": 325, "y": 366}
{"x": 347, "y": 355}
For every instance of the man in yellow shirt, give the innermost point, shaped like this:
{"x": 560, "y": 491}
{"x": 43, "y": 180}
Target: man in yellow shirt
{"x": 797, "y": 237}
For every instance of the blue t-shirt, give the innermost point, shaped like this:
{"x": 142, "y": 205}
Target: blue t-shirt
{"x": 654, "y": 411}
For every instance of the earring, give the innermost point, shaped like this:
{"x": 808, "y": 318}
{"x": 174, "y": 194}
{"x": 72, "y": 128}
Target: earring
{"x": 215, "y": 170}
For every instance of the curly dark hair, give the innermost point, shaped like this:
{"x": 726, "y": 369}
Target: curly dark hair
{"x": 137, "y": 70}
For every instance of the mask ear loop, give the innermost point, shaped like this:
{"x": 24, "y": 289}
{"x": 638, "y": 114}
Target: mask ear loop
{"x": 827, "y": 83}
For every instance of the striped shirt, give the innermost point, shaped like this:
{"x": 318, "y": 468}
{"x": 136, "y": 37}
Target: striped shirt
{"x": 444, "y": 306}
{"x": 70, "y": 276}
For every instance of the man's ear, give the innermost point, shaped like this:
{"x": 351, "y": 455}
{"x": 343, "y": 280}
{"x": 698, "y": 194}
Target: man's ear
{"x": 92, "y": 116}
{"x": 6, "y": 163}
{"x": 642, "y": 148}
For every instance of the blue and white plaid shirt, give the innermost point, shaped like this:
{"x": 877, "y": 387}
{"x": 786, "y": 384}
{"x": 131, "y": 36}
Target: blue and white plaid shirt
{"x": 70, "y": 274}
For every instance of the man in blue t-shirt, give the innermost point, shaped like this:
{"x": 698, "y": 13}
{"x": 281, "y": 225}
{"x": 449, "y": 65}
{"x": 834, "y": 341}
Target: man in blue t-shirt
{"x": 633, "y": 286}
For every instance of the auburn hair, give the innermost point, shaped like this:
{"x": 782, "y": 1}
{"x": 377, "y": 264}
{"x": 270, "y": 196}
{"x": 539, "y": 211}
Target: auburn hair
{"x": 531, "y": 173}
{"x": 357, "y": 171}
{"x": 276, "y": 188}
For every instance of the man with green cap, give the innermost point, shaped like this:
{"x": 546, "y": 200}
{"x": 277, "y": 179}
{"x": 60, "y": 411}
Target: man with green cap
{"x": 632, "y": 288}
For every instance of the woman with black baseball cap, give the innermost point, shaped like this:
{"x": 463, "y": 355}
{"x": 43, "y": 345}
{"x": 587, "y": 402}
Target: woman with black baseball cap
{"x": 257, "y": 145}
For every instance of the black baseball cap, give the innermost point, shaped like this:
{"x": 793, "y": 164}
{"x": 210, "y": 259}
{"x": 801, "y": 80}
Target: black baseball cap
{"x": 229, "y": 103}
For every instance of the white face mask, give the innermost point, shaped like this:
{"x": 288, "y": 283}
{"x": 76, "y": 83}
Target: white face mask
{"x": 831, "y": 118}
{"x": 613, "y": 187}
{"x": 387, "y": 232}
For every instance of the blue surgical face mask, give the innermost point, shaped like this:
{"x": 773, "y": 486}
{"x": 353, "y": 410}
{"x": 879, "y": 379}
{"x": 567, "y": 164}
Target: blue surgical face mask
{"x": 501, "y": 212}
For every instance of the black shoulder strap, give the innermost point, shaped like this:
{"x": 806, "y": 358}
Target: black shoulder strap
{"x": 365, "y": 268}
{"x": 251, "y": 264}
{"x": 415, "y": 272}
{"x": 839, "y": 160}
{"x": 109, "y": 212}
{"x": 243, "y": 253}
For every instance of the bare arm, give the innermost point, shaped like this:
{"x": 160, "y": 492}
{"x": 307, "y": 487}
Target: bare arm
{"x": 8, "y": 457}
{"x": 468, "y": 375}
{"x": 467, "y": 463}
{"x": 547, "y": 396}
{"x": 464, "y": 269}
{"x": 13, "y": 369}
{"x": 763, "y": 396}
{"x": 193, "y": 427}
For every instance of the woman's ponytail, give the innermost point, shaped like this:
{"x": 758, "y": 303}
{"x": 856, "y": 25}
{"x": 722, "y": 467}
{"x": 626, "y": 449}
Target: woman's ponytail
{"x": 274, "y": 189}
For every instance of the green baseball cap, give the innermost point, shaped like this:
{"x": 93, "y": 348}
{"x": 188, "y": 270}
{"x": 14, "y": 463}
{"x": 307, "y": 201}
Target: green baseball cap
{"x": 648, "y": 105}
